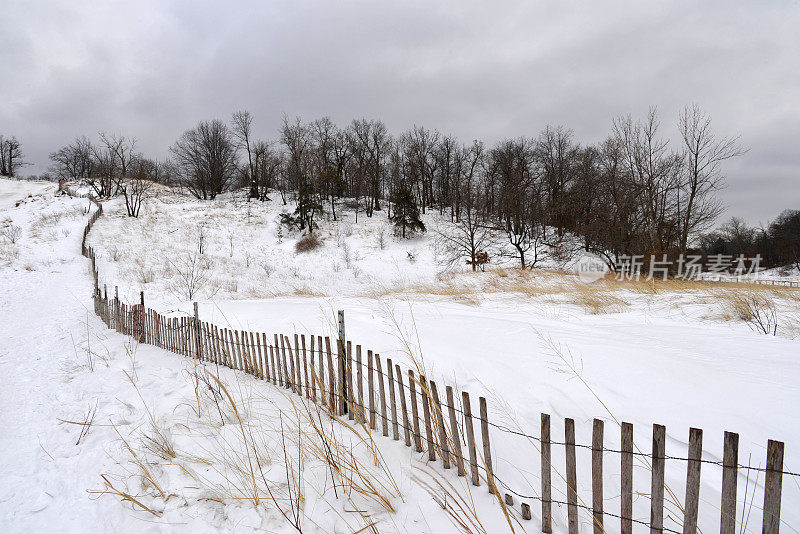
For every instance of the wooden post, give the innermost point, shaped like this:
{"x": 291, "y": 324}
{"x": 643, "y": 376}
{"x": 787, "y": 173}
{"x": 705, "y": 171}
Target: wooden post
{"x": 426, "y": 412}
{"x": 360, "y": 385}
{"x": 371, "y": 390}
{"x": 526, "y": 511}
{"x": 572, "y": 476}
{"x": 597, "y": 476}
{"x": 730, "y": 478}
{"x": 546, "y": 468}
{"x": 197, "y": 331}
{"x": 509, "y": 499}
{"x": 473, "y": 456}
{"x": 254, "y": 352}
{"x": 382, "y": 394}
{"x": 412, "y": 385}
{"x": 349, "y": 372}
{"x": 305, "y": 365}
{"x": 323, "y": 398}
{"x": 288, "y": 362}
{"x": 657, "y": 482}
{"x": 403, "y": 409}
{"x": 487, "y": 450}
{"x": 261, "y": 360}
{"x": 392, "y": 400}
{"x": 313, "y": 370}
{"x": 297, "y": 362}
{"x": 279, "y": 367}
{"x": 331, "y": 376}
{"x": 451, "y": 409}
{"x": 342, "y": 367}
{"x": 444, "y": 448}
{"x": 626, "y": 486}
{"x": 692, "y": 502}
{"x": 140, "y": 319}
{"x": 773, "y": 482}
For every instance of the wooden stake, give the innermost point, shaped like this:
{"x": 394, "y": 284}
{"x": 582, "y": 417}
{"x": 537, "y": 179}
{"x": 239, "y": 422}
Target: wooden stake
{"x": 572, "y": 476}
{"x": 546, "y": 467}
{"x": 392, "y": 400}
{"x": 626, "y": 487}
{"x": 730, "y": 478}
{"x": 371, "y": 390}
{"x": 597, "y": 476}
{"x": 473, "y": 456}
{"x": 426, "y": 412}
{"x": 401, "y": 390}
{"x": 773, "y": 483}
{"x": 487, "y": 450}
{"x": 692, "y": 502}
{"x": 360, "y": 384}
{"x": 412, "y": 385}
{"x": 657, "y": 481}
{"x": 382, "y": 395}
{"x": 331, "y": 376}
{"x": 451, "y": 409}
{"x": 444, "y": 447}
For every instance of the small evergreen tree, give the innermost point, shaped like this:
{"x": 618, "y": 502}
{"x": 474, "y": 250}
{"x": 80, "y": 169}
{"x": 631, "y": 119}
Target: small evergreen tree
{"x": 405, "y": 212}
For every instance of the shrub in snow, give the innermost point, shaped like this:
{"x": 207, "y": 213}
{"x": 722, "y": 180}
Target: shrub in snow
{"x": 12, "y": 232}
{"x": 307, "y": 243}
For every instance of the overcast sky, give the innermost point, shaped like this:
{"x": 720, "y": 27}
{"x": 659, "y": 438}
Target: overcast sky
{"x": 485, "y": 70}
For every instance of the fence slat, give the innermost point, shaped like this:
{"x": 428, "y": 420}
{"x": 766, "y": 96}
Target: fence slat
{"x": 392, "y": 400}
{"x": 351, "y": 410}
{"x": 426, "y": 412}
{"x": 305, "y": 365}
{"x": 412, "y": 386}
{"x": 451, "y": 409}
{"x": 371, "y": 390}
{"x": 597, "y": 476}
{"x": 382, "y": 395}
{"x": 692, "y": 502}
{"x": 773, "y": 482}
{"x": 331, "y": 378}
{"x": 444, "y": 448}
{"x": 403, "y": 409}
{"x": 473, "y": 456}
{"x": 626, "y": 485}
{"x": 297, "y": 365}
{"x": 546, "y": 468}
{"x": 312, "y": 369}
{"x": 572, "y": 476}
{"x": 657, "y": 481}
{"x": 360, "y": 384}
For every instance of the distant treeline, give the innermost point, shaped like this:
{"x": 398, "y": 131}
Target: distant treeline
{"x": 632, "y": 193}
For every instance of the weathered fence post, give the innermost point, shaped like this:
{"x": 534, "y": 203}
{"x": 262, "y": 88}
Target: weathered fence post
{"x": 730, "y": 479}
{"x": 487, "y": 449}
{"x": 382, "y": 394}
{"x": 597, "y": 476}
{"x": 626, "y": 483}
{"x": 412, "y": 385}
{"x": 692, "y": 502}
{"x": 342, "y": 370}
{"x": 444, "y": 448}
{"x": 473, "y": 456}
{"x": 657, "y": 482}
{"x": 198, "y": 332}
{"x": 451, "y": 409}
{"x": 426, "y": 412}
{"x": 403, "y": 408}
{"x": 773, "y": 482}
{"x": 393, "y": 400}
{"x": 547, "y": 512}
{"x": 572, "y": 476}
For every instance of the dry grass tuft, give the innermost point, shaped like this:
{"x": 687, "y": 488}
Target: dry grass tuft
{"x": 307, "y": 243}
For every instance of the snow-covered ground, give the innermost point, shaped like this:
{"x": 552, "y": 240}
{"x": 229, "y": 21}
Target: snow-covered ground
{"x": 531, "y": 342}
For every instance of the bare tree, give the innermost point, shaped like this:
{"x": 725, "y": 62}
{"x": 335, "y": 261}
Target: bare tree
{"x": 704, "y": 154}
{"x": 11, "y": 156}
{"x": 205, "y": 157}
{"x": 242, "y": 126}
{"x": 73, "y": 161}
{"x": 464, "y": 239}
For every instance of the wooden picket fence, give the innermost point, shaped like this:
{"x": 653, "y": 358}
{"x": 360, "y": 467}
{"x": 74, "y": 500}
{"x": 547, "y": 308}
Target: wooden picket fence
{"x": 350, "y": 382}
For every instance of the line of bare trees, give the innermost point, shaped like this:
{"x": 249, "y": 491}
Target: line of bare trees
{"x": 632, "y": 193}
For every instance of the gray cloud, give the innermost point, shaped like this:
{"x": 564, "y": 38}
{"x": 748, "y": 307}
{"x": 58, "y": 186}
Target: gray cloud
{"x": 473, "y": 69}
